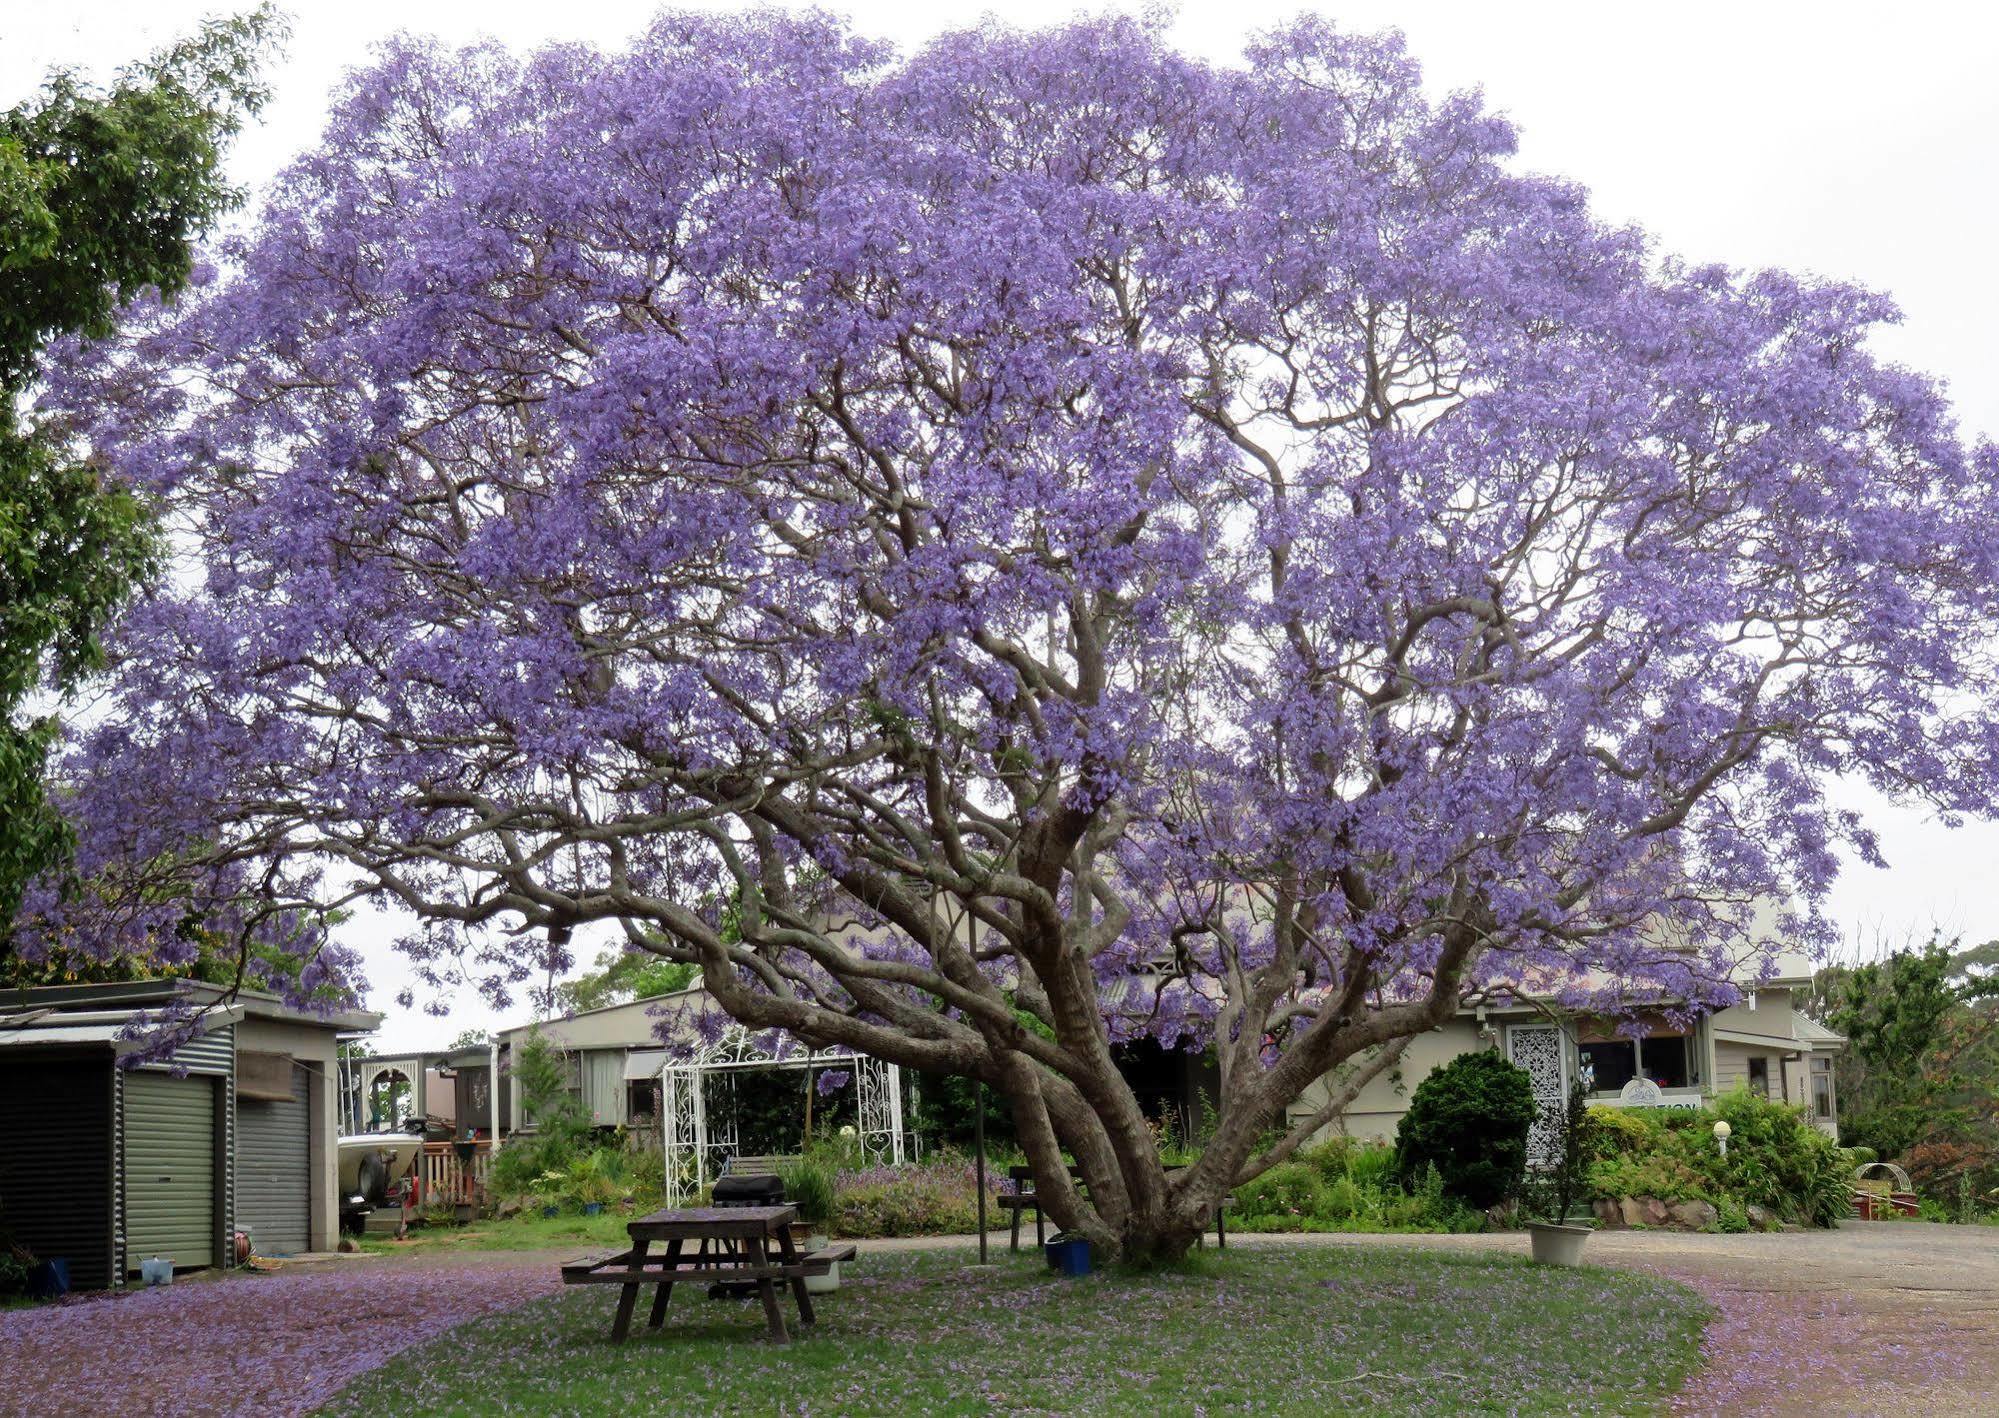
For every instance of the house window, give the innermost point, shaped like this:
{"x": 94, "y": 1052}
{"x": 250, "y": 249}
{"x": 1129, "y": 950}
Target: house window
{"x": 642, "y": 1099}
{"x": 1759, "y": 1077}
{"x": 1609, "y": 1064}
{"x": 1822, "y": 1107}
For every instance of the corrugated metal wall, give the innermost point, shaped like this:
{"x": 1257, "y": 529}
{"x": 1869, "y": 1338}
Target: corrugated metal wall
{"x": 55, "y": 1160}
{"x": 210, "y": 1057}
{"x": 274, "y": 1171}
{"x": 173, "y": 1184}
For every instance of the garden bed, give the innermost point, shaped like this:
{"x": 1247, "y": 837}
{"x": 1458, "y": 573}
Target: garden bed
{"x": 1289, "y": 1329}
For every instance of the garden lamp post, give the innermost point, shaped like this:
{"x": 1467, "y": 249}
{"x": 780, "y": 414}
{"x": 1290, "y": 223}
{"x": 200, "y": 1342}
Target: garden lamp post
{"x": 1721, "y": 1131}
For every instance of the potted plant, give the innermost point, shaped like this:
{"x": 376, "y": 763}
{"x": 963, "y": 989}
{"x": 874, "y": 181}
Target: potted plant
{"x": 1556, "y": 1241}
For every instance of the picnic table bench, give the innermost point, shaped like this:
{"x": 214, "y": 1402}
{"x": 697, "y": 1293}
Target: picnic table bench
{"x": 736, "y": 1244}
{"x": 1023, "y": 1198}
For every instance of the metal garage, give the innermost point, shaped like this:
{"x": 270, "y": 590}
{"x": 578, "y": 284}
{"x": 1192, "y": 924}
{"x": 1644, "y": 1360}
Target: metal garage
{"x": 174, "y": 1192}
{"x": 274, "y": 1154}
{"x": 110, "y": 1156}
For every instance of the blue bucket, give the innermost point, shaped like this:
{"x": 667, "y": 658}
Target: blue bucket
{"x": 1068, "y": 1254}
{"x": 1076, "y": 1256}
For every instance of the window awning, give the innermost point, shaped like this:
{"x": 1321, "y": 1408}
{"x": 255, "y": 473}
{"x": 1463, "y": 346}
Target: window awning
{"x": 266, "y": 1077}
{"x": 644, "y": 1063}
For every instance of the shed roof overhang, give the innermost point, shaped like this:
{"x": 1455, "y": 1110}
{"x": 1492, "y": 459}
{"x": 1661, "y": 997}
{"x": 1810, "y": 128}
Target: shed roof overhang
{"x": 253, "y": 1004}
{"x": 43, "y": 1028}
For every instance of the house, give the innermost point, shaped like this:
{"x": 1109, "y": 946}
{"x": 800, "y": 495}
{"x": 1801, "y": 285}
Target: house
{"x": 1765, "y": 1043}
{"x": 613, "y": 1055}
{"x": 447, "y": 1088}
{"x": 111, "y": 1158}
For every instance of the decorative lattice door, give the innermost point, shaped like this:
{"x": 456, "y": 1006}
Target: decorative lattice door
{"x": 1538, "y": 1049}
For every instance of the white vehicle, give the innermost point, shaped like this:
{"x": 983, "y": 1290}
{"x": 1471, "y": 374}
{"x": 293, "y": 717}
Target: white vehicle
{"x": 371, "y": 1163}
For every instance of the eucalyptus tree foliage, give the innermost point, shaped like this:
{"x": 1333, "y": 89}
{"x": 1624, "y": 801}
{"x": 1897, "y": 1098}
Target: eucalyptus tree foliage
{"x": 103, "y": 193}
{"x": 1027, "y": 544}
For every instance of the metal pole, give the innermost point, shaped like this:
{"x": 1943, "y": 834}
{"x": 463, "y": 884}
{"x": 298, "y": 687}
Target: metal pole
{"x": 979, "y": 1151}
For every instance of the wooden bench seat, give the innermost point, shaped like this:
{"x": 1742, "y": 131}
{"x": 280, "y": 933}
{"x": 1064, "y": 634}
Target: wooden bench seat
{"x": 1023, "y": 1199}
{"x": 766, "y": 1165}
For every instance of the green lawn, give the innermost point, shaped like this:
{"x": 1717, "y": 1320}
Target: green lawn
{"x": 1381, "y": 1330}
{"x": 525, "y": 1232}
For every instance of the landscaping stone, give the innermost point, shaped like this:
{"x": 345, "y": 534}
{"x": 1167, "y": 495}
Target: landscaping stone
{"x": 512, "y": 1206}
{"x": 1762, "y": 1218}
{"x": 1633, "y": 1211}
{"x": 1695, "y": 1215}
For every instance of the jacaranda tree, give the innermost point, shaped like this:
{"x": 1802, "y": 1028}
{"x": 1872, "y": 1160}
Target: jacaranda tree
{"x": 1032, "y": 543}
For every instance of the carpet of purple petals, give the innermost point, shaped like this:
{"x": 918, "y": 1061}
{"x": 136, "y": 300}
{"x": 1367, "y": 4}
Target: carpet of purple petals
{"x": 1270, "y": 1331}
{"x": 1771, "y": 1350}
{"x": 245, "y": 1344}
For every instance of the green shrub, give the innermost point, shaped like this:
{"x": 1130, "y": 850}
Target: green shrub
{"x": 562, "y": 1131}
{"x": 1732, "y": 1219}
{"x": 16, "y": 1264}
{"x": 1662, "y": 1175}
{"x": 1620, "y": 1131}
{"x": 1288, "y": 1189}
{"x": 1469, "y": 1120}
{"x": 809, "y": 1185}
{"x": 1345, "y": 1186}
{"x": 1776, "y": 1159}
{"x": 645, "y": 1175}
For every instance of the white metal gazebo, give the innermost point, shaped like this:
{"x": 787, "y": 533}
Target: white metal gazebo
{"x": 694, "y": 1154}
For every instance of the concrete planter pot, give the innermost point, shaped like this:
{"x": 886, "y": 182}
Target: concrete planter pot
{"x": 808, "y": 1242}
{"x": 1557, "y": 1245}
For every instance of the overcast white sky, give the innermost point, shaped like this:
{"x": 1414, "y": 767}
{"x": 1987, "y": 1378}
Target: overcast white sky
{"x": 1851, "y": 140}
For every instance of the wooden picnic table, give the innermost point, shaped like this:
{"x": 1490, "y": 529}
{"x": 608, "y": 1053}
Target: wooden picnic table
{"x": 736, "y": 1244}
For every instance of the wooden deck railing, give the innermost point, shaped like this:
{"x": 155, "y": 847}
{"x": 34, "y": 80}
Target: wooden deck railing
{"x": 447, "y": 1179}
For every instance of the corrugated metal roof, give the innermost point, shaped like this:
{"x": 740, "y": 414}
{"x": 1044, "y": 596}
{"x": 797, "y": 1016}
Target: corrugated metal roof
{"x": 1813, "y": 1032}
{"x": 66, "y": 1034}
{"x": 41, "y": 1027}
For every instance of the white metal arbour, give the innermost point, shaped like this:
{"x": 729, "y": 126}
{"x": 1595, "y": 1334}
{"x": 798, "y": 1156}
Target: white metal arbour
{"x": 694, "y": 1154}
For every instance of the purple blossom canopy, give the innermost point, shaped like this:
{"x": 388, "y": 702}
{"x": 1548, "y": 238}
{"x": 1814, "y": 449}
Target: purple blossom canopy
{"x": 1043, "y": 523}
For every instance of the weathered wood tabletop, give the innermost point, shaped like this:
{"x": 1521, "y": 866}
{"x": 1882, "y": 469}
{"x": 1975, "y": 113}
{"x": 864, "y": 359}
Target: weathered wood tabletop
{"x": 736, "y": 1245}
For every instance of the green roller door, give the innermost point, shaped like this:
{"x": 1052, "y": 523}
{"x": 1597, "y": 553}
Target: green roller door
{"x": 273, "y": 1177}
{"x": 169, "y": 1168}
